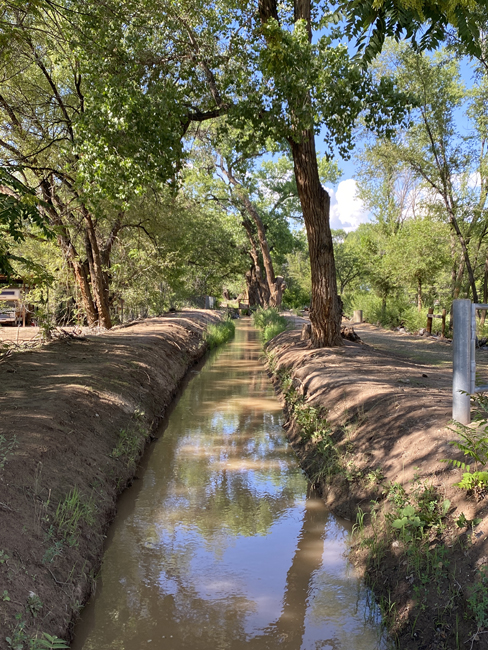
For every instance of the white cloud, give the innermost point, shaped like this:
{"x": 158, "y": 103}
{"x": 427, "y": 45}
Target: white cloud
{"x": 347, "y": 211}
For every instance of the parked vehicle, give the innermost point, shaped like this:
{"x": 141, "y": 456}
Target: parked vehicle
{"x": 12, "y": 308}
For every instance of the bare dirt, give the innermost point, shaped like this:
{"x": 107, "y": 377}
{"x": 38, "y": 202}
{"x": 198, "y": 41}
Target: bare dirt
{"x": 76, "y": 415}
{"x": 388, "y": 402}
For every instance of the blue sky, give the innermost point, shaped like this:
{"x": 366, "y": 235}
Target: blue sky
{"x": 347, "y": 211}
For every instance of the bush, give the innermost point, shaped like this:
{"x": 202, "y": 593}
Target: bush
{"x": 270, "y": 322}
{"x": 399, "y": 310}
{"x": 272, "y": 330}
{"x": 219, "y": 333}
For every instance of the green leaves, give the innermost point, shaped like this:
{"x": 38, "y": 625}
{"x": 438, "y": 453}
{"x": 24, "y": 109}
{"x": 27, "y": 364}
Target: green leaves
{"x": 423, "y": 22}
{"x": 19, "y": 210}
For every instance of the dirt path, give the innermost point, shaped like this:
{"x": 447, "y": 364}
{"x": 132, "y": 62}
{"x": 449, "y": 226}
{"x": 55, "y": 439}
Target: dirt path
{"x": 388, "y": 404}
{"x": 75, "y": 417}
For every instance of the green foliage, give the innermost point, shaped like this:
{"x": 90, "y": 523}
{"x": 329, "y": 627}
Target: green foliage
{"x": 473, "y": 481}
{"x": 219, "y": 333}
{"x": 377, "y": 310}
{"x": 422, "y": 22}
{"x": 129, "y": 443}
{"x": 297, "y": 274}
{"x": 71, "y": 513}
{"x": 273, "y": 329}
{"x": 478, "y": 599}
{"x": 473, "y": 443}
{"x": 314, "y": 427}
{"x": 417, "y": 510}
{"x": 19, "y": 213}
{"x": 21, "y": 640}
{"x": 407, "y": 522}
{"x": 270, "y": 322}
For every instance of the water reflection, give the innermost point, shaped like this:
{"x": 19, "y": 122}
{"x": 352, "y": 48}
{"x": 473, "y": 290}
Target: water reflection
{"x": 221, "y": 547}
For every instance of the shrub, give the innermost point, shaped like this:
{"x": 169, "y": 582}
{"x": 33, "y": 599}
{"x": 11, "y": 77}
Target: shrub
{"x": 219, "y": 333}
{"x": 270, "y": 322}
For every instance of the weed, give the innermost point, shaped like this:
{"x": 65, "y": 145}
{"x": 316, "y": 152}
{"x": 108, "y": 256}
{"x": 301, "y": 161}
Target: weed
{"x": 34, "y": 604}
{"x": 409, "y": 524}
{"x": 219, "y": 333}
{"x": 463, "y": 522}
{"x": 3, "y": 557}
{"x": 478, "y": 600}
{"x": 375, "y": 476}
{"x": 351, "y": 472}
{"x": 20, "y": 640}
{"x": 53, "y": 552}
{"x": 474, "y": 442}
{"x": 6, "y": 449}
{"x": 359, "y": 525}
{"x": 387, "y": 608}
{"x": 270, "y": 322}
{"x": 5, "y": 596}
{"x": 70, "y": 513}
{"x": 476, "y": 482}
{"x": 129, "y": 443}
{"x": 48, "y": 642}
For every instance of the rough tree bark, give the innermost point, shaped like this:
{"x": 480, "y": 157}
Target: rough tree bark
{"x": 326, "y": 307}
{"x": 52, "y": 205}
{"x": 258, "y": 290}
{"x": 275, "y": 286}
{"x": 99, "y": 289}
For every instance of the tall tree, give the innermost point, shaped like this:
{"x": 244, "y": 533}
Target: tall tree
{"x": 438, "y": 164}
{"x": 308, "y": 93}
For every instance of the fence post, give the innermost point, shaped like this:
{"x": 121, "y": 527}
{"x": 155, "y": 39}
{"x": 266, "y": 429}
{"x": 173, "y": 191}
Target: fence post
{"x": 430, "y": 317}
{"x": 444, "y": 313}
{"x": 461, "y": 376}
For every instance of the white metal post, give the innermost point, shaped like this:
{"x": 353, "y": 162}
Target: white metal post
{"x": 462, "y": 357}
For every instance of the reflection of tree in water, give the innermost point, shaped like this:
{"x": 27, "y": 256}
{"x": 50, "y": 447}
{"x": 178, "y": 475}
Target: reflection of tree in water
{"x": 221, "y": 472}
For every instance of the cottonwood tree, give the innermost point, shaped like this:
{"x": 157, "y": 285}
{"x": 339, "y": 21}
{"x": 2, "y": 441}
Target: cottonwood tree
{"x": 235, "y": 183}
{"x": 258, "y": 64}
{"x": 448, "y": 169}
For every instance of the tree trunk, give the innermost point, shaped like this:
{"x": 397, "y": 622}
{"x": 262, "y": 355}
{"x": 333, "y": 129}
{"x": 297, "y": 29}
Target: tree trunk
{"x": 485, "y": 292}
{"x": 100, "y": 291}
{"x": 261, "y": 288}
{"x": 419, "y": 294}
{"x": 275, "y": 289}
{"x": 253, "y": 288}
{"x": 69, "y": 251}
{"x": 326, "y": 307}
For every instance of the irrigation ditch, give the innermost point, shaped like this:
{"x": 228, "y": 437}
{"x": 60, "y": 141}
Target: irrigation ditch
{"x": 370, "y": 429}
{"x": 76, "y": 416}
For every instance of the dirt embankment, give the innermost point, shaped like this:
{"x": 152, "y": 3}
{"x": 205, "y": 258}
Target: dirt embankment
{"x": 75, "y": 417}
{"x": 388, "y": 421}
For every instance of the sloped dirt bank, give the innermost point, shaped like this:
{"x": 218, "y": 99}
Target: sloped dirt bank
{"x": 75, "y": 418}
{"x": 370, "y": 430}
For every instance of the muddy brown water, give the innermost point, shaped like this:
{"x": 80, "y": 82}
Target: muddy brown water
{"x": 221, "y": 544}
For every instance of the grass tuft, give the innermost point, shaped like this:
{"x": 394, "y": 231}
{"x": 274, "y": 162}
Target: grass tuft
{"x": 220, "y": 333}
{"x": 270, "y": 322}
